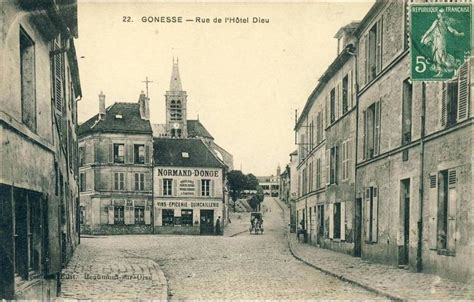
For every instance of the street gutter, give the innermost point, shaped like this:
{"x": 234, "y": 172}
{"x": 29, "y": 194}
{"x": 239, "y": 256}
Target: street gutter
{"x": 339, "y": 276}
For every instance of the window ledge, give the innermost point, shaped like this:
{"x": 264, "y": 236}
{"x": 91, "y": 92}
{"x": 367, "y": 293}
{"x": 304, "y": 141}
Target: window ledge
{"x": 446, "y": 252}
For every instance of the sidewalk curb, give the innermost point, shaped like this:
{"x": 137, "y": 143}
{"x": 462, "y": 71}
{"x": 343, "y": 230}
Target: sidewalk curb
{"x": 339, "y": 276}
{"x": 166, "y": 289}
{"x": 238, "y": 233}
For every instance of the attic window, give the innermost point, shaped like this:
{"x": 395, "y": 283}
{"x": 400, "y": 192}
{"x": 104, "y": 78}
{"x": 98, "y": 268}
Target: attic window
{"x": 184, "y": 154}
{"x": 118, "y": 116}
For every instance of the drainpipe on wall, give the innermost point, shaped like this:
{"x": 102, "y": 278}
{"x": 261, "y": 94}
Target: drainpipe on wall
{"x": 419, "y": 252}
{"x": 356, "y": 100}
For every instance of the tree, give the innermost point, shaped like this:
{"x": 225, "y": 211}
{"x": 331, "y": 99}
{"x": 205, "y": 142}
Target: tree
{"x": 236, "y": 181}
{"x": 251, "y": 182}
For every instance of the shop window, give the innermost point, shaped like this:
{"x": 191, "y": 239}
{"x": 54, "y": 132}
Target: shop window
{"x": 28, "y": 89}
{"x": 187, "y": 217}
{"x": 139, "y": 181}
{"x": 167, "y": 217}
{"x": 119, "y": 217}
{"x": 139, "y": 215}
{"x": 205, "y": 187}
{"x": 119, "y": 181}
{"x": 167, "y": 187}
{"x": 139, "y": 154}
{"x": 119, "y": 153}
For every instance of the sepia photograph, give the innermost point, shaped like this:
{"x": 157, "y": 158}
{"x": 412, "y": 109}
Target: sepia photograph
{"x": 236, "y": 150}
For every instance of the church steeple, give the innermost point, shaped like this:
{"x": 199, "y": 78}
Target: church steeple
{"x": 175, "y": 82}
{"x": 176, "y": 118}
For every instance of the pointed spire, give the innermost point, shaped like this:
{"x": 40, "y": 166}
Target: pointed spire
{"x": 175, "y": 82}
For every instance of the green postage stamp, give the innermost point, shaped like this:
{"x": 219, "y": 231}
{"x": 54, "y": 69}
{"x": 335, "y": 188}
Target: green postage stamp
{"x": 440, "y": 39}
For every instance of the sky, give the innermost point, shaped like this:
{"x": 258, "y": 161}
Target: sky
{"x": 243, "y": 80}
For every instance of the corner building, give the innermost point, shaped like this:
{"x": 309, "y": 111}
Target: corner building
{"x": 39, "y": 195}
{"x": 188, "y": 182}
{"x": 115, "y": 149}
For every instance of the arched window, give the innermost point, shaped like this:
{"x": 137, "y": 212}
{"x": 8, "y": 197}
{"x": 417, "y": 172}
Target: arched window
{"x": 175, "y": 110}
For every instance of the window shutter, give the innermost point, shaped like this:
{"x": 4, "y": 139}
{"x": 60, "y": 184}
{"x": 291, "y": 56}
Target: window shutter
{"x": 433, "y": 211}
{"x": 338, "y": 102}
{"x": 212, "y": 188}
{"x": 375, "y": 218}
{"x": 452, "y": 209}
{"x": 343, "y": 220}
{"x": 111, "y": 214}
{"x": 147, "y": 215}
{"x": 344, "y": 160}
{"x": 328, "y": 166}
{"x": 160, "y": 187}
{"x": 336, "y": 164}
{"x": 131, "y": 158}
{"x": 444, "y": 101}
{"x": 175, "y": 187}
{"x": 331, "y": 220}
{"x": 111, "y": 153}
{"x": 367, "y": 214}
{"x": 463, "y": 92}
{"x": 364, "y": 136}
{"x": 348, "y": 157}
{"x": 377, "y": 127}
{"x": 351, "y": 90}
{"x": 58, "y": 79}
{"x": 198, "y": 187}
{"x": 379, "y": 45}
{"x": 366, "y": 59}
{"x": 328, "y": 100}
{"x": 147, "y": 154}
{"x": 148, "y": 182}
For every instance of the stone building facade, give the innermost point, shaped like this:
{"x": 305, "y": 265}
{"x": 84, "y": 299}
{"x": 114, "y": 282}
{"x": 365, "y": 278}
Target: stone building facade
{"x": 38, "y": 118}
{"x": 414, "y": 156}
{"x": 188, "y": 188}
{"x": 115, "y": 148}
{"x": 407, "y": 190}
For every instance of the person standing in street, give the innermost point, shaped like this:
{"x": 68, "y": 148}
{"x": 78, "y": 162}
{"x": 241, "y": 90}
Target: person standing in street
{"x": 218, "y": 225}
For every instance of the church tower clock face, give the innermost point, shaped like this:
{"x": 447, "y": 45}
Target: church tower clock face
{"x": 176, "y": 126}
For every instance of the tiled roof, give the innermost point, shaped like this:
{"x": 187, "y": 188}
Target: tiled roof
{"x": 169, "y": 152}
{"x": 196, "y": 129}
{"x": 130, "y": 121}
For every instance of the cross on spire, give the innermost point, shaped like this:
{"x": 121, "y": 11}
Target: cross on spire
{"x": 146, "y": 84}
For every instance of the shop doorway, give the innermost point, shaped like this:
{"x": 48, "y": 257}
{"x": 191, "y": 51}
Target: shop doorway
{"x": 207, "y": 222}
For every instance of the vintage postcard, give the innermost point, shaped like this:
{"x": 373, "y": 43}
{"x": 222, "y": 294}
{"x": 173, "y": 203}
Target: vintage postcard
{"x": 231, "y": 150}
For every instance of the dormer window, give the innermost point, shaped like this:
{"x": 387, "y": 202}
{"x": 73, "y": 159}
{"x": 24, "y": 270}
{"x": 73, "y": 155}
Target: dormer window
{"x": 118, "y": 116}
{"x": 184, "y": 154}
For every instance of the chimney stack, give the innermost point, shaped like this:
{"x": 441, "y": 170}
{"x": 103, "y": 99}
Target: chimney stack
{"x": 144, "y": 102}
{"x": 101, "y": 104}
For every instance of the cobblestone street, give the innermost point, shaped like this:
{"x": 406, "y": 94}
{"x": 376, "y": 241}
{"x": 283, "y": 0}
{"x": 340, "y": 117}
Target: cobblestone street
{"x": 204, "y": 267}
